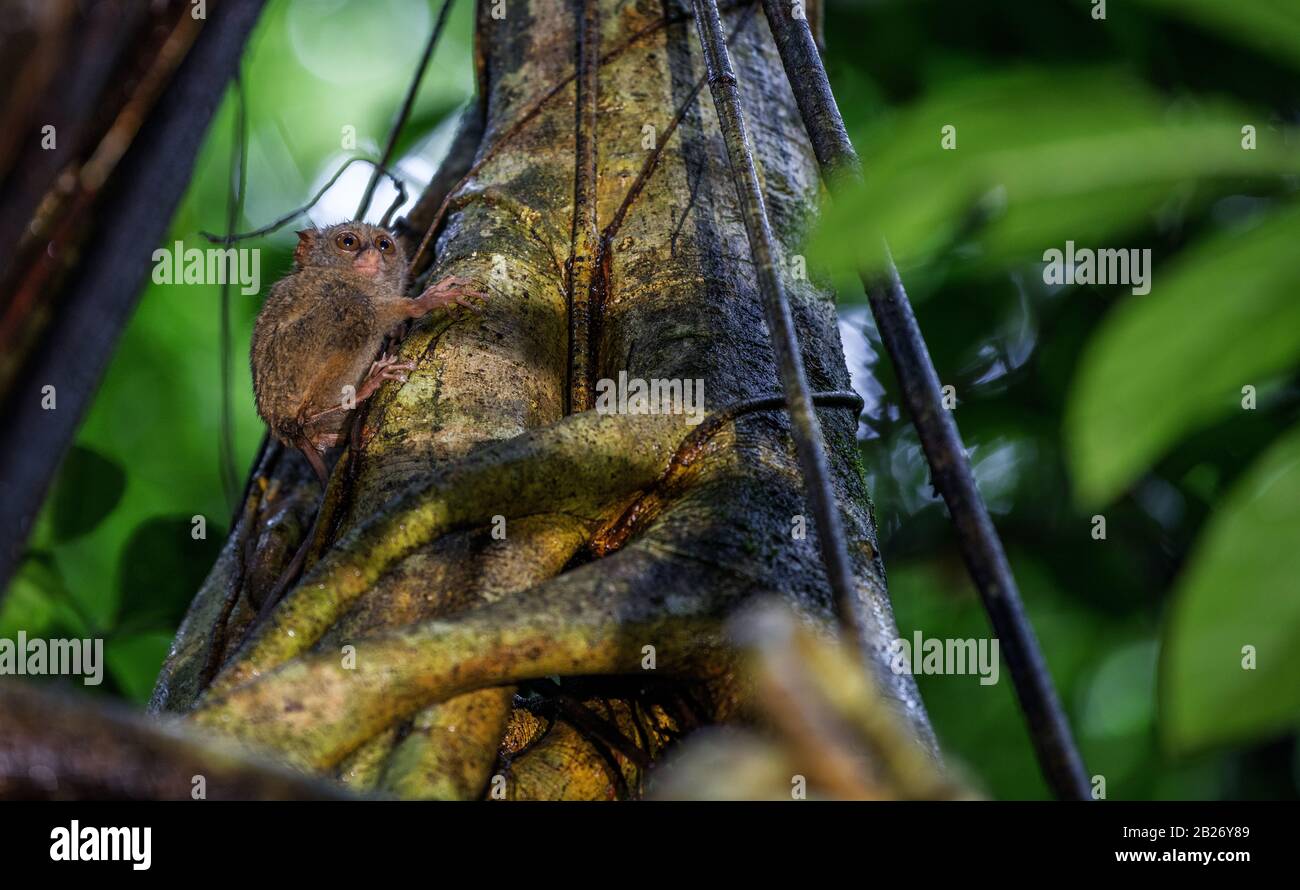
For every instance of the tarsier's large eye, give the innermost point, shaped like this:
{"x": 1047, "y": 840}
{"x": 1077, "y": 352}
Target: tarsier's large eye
{"x": 384, "y": 243}
{"x": 347, "y": 241}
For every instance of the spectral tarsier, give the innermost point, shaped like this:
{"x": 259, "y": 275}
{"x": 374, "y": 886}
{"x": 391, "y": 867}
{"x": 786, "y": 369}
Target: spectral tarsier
{"x": 317, "y": 335}
{"x": 315, "y": 341}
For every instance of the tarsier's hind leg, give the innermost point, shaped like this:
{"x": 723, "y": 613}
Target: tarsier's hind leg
{"x": 293, "y": 431}
{"x": 314, "y": 458}
{"x": 312, "y": 448}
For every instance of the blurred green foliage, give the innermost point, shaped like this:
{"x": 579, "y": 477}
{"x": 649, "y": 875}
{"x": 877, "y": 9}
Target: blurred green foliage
{"x": 113, "y": 553}
{"x": 1271, "y": 25}
{"x": 1234, "y": 590}
{"x": 1073, "y": 400}
{"x": 1224, "y": 317}
{"x": 1028, "y": 158}
{"x": 1090, "y": 400}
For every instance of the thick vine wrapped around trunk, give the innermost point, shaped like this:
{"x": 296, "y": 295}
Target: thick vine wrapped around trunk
{"x": 394, "y": 663}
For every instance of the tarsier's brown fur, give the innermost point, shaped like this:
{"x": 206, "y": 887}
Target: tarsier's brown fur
{"x": 317, "y": 336}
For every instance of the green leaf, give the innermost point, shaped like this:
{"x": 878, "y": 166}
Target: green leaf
{"x": 134, "y": 662}
{"x": 88, "y": 487}
{"x": 1271, "y": 25}
{"x": 160, "y": 570}
{"x": 1240, "y": 588}
{"x": 1223, "y": 317}
{"x": 1121, "y": 697}
{"x": 32, "y": 603}
{"x": 1040, "y": 158}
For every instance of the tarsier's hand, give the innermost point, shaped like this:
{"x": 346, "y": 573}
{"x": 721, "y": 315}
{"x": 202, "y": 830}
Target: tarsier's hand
{"x": 450, "y": 293}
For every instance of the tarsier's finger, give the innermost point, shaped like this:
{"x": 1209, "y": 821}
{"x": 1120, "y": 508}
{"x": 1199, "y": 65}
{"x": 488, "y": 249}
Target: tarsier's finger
{"x": 448, "y": 285}
{"x": 481, "y": 296}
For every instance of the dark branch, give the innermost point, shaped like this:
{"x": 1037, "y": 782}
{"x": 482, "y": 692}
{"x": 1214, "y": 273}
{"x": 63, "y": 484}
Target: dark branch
{"x": 234, "y": 211}
{"x": 102, "y": 291}
{"x": 803, "y": 420}
{"x": 405, "y": 113}
{"x": 56, "y": 746}
{"x": 96, "y": 40}
{"x": 299, "y": 211}
{"x": 949, "y": 467}
{"x": 583, "y": 244}
{"x": 709, "y": 427}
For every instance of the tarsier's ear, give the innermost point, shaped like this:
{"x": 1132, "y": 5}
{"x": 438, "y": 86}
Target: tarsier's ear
{"x": 306, "y": 238}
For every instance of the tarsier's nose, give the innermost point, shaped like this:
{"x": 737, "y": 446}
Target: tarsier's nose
{"x": 367, "y": 260}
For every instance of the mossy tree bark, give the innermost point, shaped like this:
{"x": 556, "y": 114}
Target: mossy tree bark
{"x": 423, "y": 653}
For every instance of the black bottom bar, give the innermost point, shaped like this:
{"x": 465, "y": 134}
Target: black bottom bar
{"x": 495, "y": 840}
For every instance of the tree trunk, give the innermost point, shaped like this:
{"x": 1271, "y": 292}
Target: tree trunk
{"x": 507, "y": 593}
